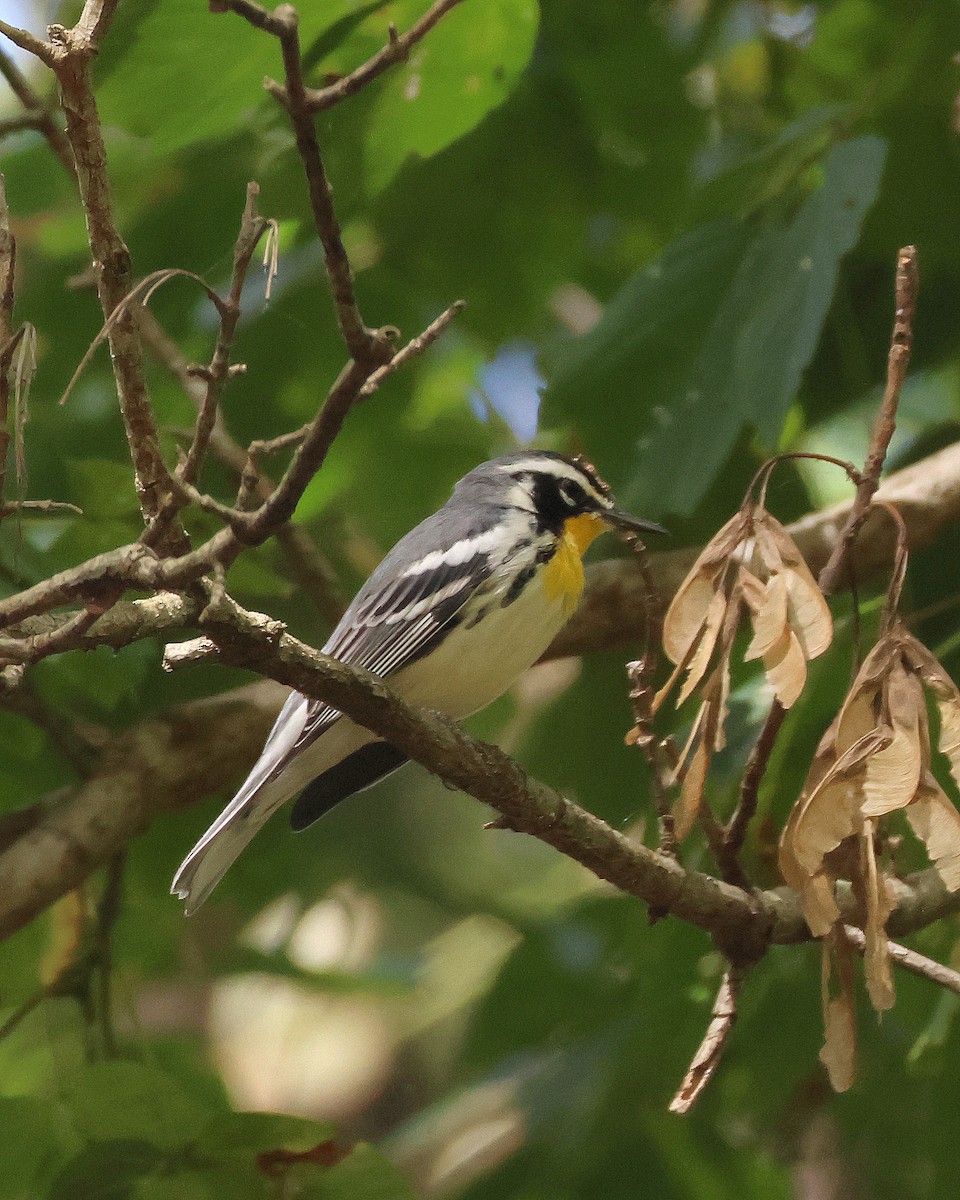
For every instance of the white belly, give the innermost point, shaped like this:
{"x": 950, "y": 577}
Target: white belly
{"x": 473, "y": 666}
{"x": 468, "y": 670}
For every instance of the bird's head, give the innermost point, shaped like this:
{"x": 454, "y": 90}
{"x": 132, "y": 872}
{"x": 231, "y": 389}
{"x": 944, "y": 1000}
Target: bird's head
{"x": 562, "y": 495}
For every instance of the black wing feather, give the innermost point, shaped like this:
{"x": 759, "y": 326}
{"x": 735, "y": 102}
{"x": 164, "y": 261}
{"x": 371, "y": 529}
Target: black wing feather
{"x": 367, "y": 637}
{"x": 357, "y": 771}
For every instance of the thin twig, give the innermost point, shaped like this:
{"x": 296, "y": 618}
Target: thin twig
{"x": 308, "y": 565}
{"x": 412, "y": 349}
{"x": 643, "y": 736}
{"x": 396, "y": 50}
{"x": 72, "y": 62}
{"x": 63, "y": 637}
{"x": 836, "y": 568}
{"x": 27, "y": 1007}
{"x": 31, "y": 119}
{"x": 368, "y": 347}
{"x": 707, "y": 1058}
{"x": 910, "y": 960}
{"x": 322, "y": 431}
{"x": 641, "y": 674}
{"x": 138, "y": 296}
{"x": 29, "y": 42}
{"x": 901, "y": 340}
{"x": 252, "y": 228}
{"x": 735, "y": 832}
{"x": 39, "y": 506}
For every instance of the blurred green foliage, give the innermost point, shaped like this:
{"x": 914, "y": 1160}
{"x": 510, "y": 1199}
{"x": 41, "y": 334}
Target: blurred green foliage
{"x": 731, "y": 182}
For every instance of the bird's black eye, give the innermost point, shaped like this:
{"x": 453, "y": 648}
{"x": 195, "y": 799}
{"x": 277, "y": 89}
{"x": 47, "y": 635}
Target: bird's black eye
{"x": 572, "y": 493}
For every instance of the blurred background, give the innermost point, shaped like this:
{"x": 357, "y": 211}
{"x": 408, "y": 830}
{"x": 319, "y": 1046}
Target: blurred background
{"x": 675, "y": 225}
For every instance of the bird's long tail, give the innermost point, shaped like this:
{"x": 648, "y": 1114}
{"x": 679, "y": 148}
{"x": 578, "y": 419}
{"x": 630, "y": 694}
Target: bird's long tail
{"x": 260, "y": 795}
{"x": 221, "y": 845}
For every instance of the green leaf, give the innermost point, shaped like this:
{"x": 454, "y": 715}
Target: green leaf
{"x": 104, "y": 488}
{"x": 467, "y": 66}
{"x": 29, "y": 1148}
{"x": 98, "y": 681}
{"x": 763, "y": 175}
{"x": 365, "y": 1174}
{"x": 718, "y": 330}
{"x": 107, "y": 1171}
{"x": 187, "y": 1185}
{"x": 144, "y": 92}
{"x": 127, "y": 1101}
{"x": 250, "y": 1133}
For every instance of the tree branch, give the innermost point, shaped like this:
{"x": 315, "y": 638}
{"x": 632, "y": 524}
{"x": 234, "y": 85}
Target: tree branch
{"x": 73, "y": 54}
{"x": 898, "y": 359}
{"x": 192, "y": 751}
{"x": 368, "y": 347}
{"x": 707, "y": 1058}
{"x": 909, "y": 960}
{"x": 308, "y": 565}
{"x": 252, "y": 228}
{"x": 396, "y": 50}
{"x": 29, "y": 42}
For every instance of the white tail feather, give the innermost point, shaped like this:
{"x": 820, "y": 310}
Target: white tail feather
{"x": 258, "y": 798}
{"x": 208, "y": 861}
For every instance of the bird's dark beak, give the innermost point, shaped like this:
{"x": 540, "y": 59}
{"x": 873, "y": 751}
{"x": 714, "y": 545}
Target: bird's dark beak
{"x": 628, "y": 523}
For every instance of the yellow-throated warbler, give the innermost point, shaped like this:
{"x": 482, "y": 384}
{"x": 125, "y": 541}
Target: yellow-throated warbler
{"x": 457, "y": 610}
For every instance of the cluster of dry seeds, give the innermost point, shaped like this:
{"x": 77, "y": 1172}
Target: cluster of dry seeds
{"x": 874, "y": 759}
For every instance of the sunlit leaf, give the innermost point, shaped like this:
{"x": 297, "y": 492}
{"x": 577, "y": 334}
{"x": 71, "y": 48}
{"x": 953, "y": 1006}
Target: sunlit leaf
{"x": 468, "y": 65}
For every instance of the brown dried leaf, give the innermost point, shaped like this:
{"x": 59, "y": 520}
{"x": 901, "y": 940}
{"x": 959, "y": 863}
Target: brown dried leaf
{"x": 892, "y": 774}
{"x": 765, "y": 528}
{"x": 723, "y": 697}
{"x": 808, "y": 611}
{"x": 710, "y": 631}
{"x": 785, "y": 668}
{"x": 860, "y": 711}
{"x": 823, "y": 761}
{"x": 688, "y": 609}
{"x": 819, "y": 903}
{"x": 754, "y": 590}
{"x": 832, "y": 810}
{"x": 681, "y": 766}
{"x": 949, "y": 707}
{"x": 936, "y": 822}
{"x": 876, "y": 958}
{"x": 769, "y": 619}
{"x": 858, "y": 717}
{"x": 838, "y": 1054}
{"x": 691, "y": 793}
{"x": 945, "y": 692}
{"x": 687, "y": 613}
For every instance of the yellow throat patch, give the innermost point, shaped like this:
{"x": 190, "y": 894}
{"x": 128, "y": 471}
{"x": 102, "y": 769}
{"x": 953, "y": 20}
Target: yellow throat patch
{"x": 563, "y": 574}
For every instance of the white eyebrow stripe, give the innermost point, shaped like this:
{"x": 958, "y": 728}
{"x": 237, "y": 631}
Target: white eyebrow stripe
{"x": 455, "y": 555}
{"x": 561, "y": 470}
